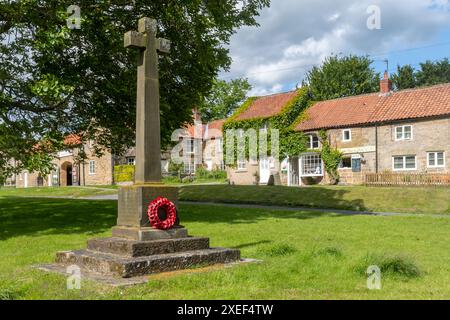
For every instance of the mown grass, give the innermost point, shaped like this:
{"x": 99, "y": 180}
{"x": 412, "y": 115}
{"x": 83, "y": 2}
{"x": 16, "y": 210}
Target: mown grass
{"x": 304, "y": 255}
{"x": 75, "y": 192}
{"x": 430, "y": 200}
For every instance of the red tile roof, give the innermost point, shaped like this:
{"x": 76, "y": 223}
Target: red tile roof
{"x": 215, "y": 129}
{"x": 375, "y": 108}
{"x": 72, "y": 140}
{"x": 268, "y": 106}
{"x": 193, "y": 130}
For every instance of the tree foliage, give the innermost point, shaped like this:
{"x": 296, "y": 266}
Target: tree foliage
{"x": 55, "y": 81}
{"x": 224, "y": 98}
{"x": 342, "y": 76}
{"x": 430, "y": 73}
{"x": 405, "y": 78}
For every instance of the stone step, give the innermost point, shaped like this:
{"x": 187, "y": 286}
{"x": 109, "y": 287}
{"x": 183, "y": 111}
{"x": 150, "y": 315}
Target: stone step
{"x": 124, "y": 267}
{"x": 131, "y": 248}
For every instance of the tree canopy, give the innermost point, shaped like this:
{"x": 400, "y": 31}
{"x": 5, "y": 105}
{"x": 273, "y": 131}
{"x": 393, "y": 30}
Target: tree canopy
{"x": 224, "y": 98}
{"x": 430, "y": 73}
{"x": 404, "y": 78}
{"x": 342, "y": 76}
{"x": 55, "y": 80}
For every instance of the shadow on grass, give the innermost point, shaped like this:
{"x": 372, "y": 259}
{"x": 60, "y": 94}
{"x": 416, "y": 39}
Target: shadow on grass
{"x": 34, "y": 216}
{"x": 310, "y": 197}
{"x": 230, "y": 215}
{"x": 44, "y": 216}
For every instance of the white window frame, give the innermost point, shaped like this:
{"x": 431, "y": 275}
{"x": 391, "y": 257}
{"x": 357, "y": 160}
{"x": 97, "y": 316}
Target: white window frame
{"x": 190, "y": 146}
{"x": 403, "y": 133}
{"x": 436, "y": 165}
{"x": 301, "y": 165}
{"x": 219, "y": 145}
{"x": 189, "y": 167}
{"x": 242, "y": 165}
{"x": 404, "y": 163}
{"x": 349, "y": 134}
{"x": 91, "y": 167}
{"x": 311, "y": 142}
{"x": 131, "y": 161}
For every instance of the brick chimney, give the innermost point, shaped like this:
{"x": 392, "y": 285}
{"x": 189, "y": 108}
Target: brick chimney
{"x": 385, "y": 84}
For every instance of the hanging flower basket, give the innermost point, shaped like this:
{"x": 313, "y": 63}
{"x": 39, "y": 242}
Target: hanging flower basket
{"x": 156, "y": 211}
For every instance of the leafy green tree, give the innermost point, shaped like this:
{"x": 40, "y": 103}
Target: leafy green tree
{"x": 405, "y": 77}
{"x": 224, "y": 98}
{"x": 55, "y": 80}
{"x": 342, "y": 76}
{"x": 432, "y": 73}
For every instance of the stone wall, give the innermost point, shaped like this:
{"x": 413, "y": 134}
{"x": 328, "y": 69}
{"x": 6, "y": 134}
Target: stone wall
{"x": 244, "y": 177}
{"x": 428, "y": 136}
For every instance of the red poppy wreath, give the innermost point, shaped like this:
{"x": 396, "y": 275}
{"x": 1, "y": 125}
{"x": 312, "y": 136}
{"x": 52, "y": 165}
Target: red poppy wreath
{"x": 156, "y": 211}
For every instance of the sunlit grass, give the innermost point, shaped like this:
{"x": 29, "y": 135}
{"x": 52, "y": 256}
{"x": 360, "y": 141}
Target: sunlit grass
{"x": 432, "y": 200}
{"x": 304, "y": 255}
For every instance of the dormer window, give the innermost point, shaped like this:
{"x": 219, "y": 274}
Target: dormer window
{"x": 403, "y": 133}
{"x": 347, "y": 135}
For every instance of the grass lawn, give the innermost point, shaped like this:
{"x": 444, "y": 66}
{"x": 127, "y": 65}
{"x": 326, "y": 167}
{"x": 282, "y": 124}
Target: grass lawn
{"x": 305, "y": 255}
{"x": 390, "y": 199}
{"x": 75, "y": 192}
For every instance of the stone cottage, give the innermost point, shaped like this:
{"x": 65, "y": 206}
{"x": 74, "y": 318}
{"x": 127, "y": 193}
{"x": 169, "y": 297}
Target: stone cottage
{"x": 406, "y": 131}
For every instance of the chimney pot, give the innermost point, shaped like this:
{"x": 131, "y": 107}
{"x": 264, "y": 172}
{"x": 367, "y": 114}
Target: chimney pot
{"x": 385, "y": 84}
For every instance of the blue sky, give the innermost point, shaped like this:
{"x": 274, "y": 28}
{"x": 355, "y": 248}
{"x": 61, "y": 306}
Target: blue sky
{"x": 295, "y": 35}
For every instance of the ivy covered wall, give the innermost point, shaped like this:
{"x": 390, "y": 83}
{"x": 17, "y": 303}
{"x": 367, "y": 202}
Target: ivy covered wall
{"x": 292, "y": 143}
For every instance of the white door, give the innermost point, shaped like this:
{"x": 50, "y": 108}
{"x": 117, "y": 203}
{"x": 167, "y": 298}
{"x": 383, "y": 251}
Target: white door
{"x": 25, "y": 180}
{"x": 264, "y": 171}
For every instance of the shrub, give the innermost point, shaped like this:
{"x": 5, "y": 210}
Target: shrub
{"x": 204, "y": 174}
{"x": 124, "y": 173}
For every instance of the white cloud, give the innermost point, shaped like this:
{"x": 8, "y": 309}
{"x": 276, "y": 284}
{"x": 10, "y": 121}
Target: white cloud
{"x": 295, "y": 35}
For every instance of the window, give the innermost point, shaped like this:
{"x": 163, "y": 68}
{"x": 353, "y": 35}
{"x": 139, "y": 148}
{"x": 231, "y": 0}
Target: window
{"x": 190, "y": 144}
{"x": 131, "y": 161}
{"x": 404, "y": 163}
{"x": 311, "y": 165}
{"x": 264, "y": 128}
{"x": 219, "y": 147}
{"x": 436, "y": 159}
{"x": 313, "y": 142}
{"x": 403, "y": 133}
{"x": 356, "y": 163}
{"x": 346, "y": 163}
{"x": 241, "y": 165}
{"x": 346, "y": 135}
{"x": 92, "y": 167}
{"x": 189, "y": 167}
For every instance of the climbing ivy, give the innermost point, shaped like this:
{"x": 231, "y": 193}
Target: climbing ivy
{"x": 331, "y": 157}
{"x": 292, "y": 143}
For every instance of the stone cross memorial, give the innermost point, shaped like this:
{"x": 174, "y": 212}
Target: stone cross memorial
{"x": 136, "y": 247}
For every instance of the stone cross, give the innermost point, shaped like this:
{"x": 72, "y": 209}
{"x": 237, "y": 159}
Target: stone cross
{"x": 148, "y": 136}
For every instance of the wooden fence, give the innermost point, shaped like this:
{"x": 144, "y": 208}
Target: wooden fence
{"x": 407, "y": 179}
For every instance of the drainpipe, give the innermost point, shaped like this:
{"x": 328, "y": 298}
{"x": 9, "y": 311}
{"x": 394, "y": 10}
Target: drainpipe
{"x": 84, "y": 162}
{"x": 376, "y": 148}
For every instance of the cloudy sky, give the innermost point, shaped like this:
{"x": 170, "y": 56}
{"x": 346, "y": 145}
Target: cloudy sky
{"x": 295, "y": 35}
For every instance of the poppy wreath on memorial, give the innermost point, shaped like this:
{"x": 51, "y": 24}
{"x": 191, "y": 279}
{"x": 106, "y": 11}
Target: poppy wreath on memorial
{"x": 156, "y": 211}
